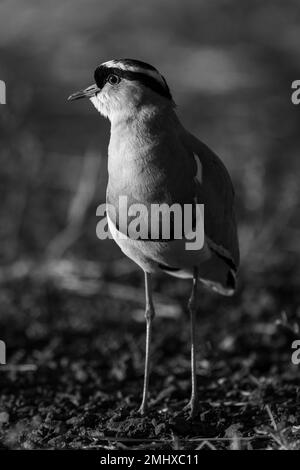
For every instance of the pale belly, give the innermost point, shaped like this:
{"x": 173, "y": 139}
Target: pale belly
{"x": 152, "y": 256}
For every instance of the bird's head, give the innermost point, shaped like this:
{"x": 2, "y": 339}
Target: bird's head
{"x": 123, "y": 85}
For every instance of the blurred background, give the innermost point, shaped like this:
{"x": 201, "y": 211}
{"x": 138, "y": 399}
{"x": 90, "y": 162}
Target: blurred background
{"x": 229, "y": 65}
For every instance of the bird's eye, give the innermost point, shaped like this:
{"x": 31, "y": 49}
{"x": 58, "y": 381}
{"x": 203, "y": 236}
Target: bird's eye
{"x": 113, "y": 79}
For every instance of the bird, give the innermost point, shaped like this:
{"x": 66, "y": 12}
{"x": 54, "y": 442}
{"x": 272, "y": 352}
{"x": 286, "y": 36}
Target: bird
{"x": 153, "y": 159}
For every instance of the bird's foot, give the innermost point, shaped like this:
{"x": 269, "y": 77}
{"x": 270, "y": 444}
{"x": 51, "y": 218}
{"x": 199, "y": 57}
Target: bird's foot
{"x": 192, "y": 408}
{"x": 142, "y": 411}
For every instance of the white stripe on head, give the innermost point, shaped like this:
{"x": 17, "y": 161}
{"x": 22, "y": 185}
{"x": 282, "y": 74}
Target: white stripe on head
{"x": 132, "y": 67}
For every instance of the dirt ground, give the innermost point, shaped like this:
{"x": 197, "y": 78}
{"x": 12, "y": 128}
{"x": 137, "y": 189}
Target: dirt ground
{"x": 74, "y": 369}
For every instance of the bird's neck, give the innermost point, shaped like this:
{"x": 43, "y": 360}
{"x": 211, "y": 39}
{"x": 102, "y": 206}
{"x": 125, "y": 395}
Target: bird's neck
{"x": 143, "y": 116}
{"x": 137, "y": 131}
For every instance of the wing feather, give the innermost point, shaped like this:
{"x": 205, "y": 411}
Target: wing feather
{"x": 215, "y": 190}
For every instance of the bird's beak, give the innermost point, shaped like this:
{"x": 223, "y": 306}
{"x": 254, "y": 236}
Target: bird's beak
{"x": 87, "y": 93}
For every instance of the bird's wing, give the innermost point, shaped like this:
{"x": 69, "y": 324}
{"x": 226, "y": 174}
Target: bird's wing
{"x": 215, "y": 191}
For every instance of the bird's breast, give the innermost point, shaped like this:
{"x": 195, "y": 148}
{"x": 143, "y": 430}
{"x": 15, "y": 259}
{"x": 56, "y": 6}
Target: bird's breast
{"x": 149, "y": 168}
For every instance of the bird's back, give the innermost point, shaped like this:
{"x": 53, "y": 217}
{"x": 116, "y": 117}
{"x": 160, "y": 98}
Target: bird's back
{"x": 215, "y": 191}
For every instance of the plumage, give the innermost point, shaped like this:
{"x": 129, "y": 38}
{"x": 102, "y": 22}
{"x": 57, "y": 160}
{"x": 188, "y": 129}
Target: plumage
{"x": 153, "y": 159}
{"x": 173, "y": 179}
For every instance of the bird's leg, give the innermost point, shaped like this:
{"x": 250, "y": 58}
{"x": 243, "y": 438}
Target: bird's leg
{"x": 192, "y": 406}
{"x": 149, "y": 315}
